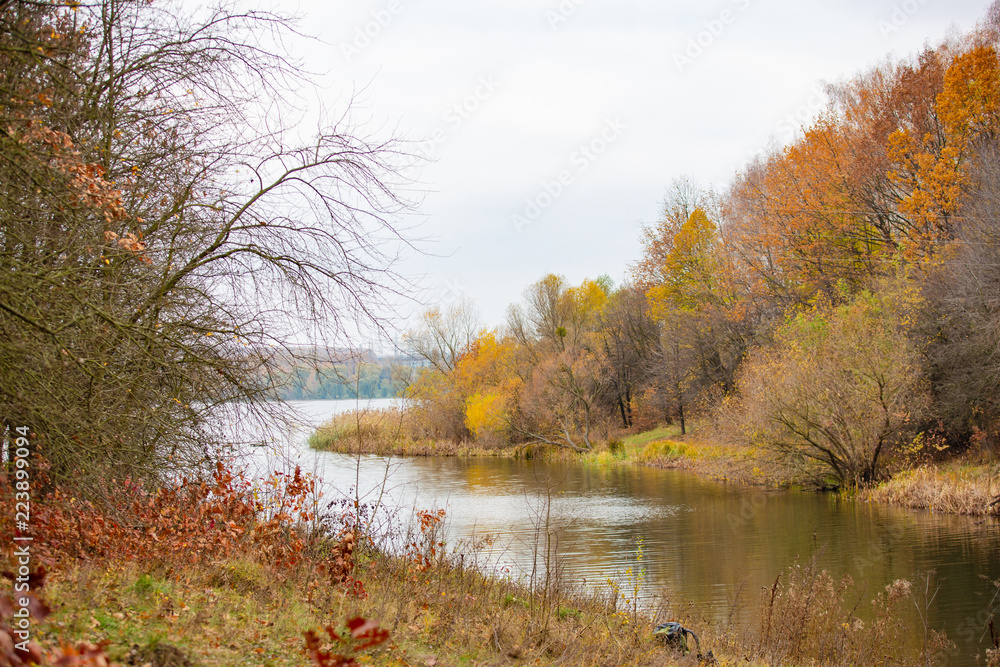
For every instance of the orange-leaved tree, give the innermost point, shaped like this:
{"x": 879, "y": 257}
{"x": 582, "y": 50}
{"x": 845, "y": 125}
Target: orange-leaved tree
{"x": 930, "y": 168}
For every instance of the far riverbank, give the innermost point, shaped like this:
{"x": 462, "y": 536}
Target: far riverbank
{"x": 959, "y": 485}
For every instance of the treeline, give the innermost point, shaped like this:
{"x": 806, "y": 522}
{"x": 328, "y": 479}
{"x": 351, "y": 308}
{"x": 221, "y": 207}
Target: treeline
{"x": 339, "y": 381}
{"x": 838, "y": 302}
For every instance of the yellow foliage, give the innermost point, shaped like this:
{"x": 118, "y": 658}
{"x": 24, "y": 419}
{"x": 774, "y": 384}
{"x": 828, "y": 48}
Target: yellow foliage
{"x": 688, "y": 271}
{"x": 486, "y": 414}
{"x": 588, "y": 298}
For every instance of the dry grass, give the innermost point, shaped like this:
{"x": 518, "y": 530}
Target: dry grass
{"x": 806, "y": 617}
{"x": 388, "y": 432}
{"x": 442, "y": 611}
{"x": 955, "y": 487}
{"x": 438, "y": 608}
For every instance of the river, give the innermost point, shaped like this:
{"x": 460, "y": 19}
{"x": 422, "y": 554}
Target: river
{"x": 702, "y": 543}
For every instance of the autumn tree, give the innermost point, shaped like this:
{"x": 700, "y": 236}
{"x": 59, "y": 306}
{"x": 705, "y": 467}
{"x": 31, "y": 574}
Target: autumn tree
{"x": 162, "y": 229}
{"x": 931, "y": 169}
{"x": 839, "y": 387}
{"x": 559, "y": 361}
{"x": 705, "y": 315}
{"x": 684, "y": 196}
{"x": 491, "y": 386}
{"x": 544, "y": 315}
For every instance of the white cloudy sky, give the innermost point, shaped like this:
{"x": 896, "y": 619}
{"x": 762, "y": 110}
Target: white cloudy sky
{"x": 536, "y": 80}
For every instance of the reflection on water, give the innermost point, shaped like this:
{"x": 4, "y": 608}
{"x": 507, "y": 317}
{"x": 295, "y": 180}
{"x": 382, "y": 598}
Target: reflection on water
{"x": 702, "y": 540}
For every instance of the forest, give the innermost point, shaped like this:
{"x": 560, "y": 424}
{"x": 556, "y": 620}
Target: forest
{"x": 836, "y": 303}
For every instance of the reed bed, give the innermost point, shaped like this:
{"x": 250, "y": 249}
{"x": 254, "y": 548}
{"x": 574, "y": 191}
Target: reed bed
{"x": 388, "y": 432}
{"x": 955, "y": 488}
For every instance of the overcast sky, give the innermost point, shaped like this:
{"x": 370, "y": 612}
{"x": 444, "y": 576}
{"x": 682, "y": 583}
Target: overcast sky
{"x": 554, "y": 128}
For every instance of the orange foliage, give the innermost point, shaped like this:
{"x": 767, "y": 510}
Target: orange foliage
{"x": 362, "y": 634}
{"x": 424, "y": 552}
{"x": 930, "y": 166}
{"x": 198, "y": 521}
{"x": 882, "y": 170}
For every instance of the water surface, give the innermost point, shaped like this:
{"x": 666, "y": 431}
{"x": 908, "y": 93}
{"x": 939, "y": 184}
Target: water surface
{"x": 701, "y": 542}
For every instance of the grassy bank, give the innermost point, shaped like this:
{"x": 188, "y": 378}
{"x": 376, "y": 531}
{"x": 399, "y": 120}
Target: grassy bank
{"x": 664, "y": 447}
{"x": 244, "y": 612}
{"x": 428, "y": 605}
{"x": 958, "y": 486}
{"x": 954, "y": 487}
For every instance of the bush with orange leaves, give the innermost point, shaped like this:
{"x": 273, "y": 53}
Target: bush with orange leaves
{"x": 195, "y": 520}
{"x": 190, "y": 522}
{"x": 185, "y": 523}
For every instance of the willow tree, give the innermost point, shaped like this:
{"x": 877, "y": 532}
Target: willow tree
{"x": 164, "y": 228}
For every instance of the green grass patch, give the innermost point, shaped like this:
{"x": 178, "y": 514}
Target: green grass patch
{"x": 657, "y": 450}
{"x": 660, "y": 433}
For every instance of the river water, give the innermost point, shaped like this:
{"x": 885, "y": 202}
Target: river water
{"x": 702, "y": 543}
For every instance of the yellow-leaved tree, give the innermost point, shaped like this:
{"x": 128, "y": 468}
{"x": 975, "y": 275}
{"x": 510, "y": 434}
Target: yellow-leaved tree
{"x": 487, "y": 377}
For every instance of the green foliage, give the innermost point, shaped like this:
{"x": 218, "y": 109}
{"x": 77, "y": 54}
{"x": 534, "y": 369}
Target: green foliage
{"x": 144, "y": 585}
{"x": 839, "y": 387}
{"x": 565, "y": 613}
{"x": 510, "y": 599}
{"x": 658, "y": 433}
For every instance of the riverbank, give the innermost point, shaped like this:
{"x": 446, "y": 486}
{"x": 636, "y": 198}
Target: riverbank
{"x": 266, "y": 590}
{"x": 245, "y": 612}
{"x": 386, "y": 432}
{"x": 958, "y": 486}
{"x": 955, "y": 487}
{"x": 227, "y": 571}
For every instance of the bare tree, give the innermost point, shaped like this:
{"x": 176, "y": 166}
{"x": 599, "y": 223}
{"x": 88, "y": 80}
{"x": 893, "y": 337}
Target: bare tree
{"x": 964, "y": 322}
{"x": 442, "y": 338}
{"x": 163, "y": 230}
{"x": 629, "y": 340}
